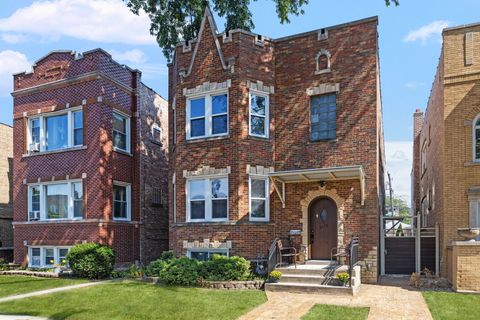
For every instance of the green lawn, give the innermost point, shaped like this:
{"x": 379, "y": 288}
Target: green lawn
{"x": 10, "y": 285}
{"x": 451, "y": 306}
{"x": 138, "y": 300}
{"x": 329, "y": 312}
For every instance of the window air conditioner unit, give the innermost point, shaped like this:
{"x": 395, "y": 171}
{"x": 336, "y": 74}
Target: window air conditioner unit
{"x": 34, "y": 147}
{"x": 34, "y": 215}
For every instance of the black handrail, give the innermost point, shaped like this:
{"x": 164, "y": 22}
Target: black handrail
{"x": 353, "y": 257}
{"x": 273, "y": 255}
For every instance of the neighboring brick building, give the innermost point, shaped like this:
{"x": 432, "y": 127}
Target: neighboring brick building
{"x": 6, "y": 181}
{"x": 276, "y": 138}
{"x": 447, "y": 155}
{"x": 90, "y": 159}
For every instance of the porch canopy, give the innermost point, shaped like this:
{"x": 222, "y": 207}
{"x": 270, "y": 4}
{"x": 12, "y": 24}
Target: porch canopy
{"x": 280, "y": 178}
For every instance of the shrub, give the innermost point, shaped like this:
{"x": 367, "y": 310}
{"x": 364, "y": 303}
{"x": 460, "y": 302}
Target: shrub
{"x": 153, "y": 269}
{"x": 91, "y": 260}
{"x": 222, "y": 268}
{"x": 182, "y": 271}
{"x": 275, "y": 275}
{"x": 344, "y": 277}
{"x": 167, "y": 256}
{"x": 135, "y": 271}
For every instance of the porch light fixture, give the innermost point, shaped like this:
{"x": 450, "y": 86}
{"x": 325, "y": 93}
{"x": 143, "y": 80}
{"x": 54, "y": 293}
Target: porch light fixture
{"x": 322, "y": 183}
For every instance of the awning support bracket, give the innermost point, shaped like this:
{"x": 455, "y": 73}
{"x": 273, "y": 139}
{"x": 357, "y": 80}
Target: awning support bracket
{"x": 281, "y": 193}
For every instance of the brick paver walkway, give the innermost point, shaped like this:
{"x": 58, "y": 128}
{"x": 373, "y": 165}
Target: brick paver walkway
{"x": 385, "y": 302}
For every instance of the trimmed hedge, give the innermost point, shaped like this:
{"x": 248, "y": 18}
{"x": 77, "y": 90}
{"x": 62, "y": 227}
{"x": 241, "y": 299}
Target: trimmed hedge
{"x": 91, "y": 260}
{"x": 182, "y": 271}
{"x": 222, "y": 268}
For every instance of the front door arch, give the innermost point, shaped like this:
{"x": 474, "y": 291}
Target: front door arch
{"x": 322, "y": 227}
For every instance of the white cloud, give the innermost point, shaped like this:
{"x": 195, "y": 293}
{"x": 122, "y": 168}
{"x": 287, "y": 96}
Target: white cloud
{"x": 433, "y": 29}
{"x": 414, "y": 84}
{"x": 13, "y": 38}
{"x": 398, "y": 156}
{"x": 133, "y": 56}
{"x": 95, "y": 20}
{"x": 11, "y": 62}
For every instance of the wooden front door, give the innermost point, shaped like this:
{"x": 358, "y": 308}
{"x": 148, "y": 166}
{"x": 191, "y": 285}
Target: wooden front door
{"x": 323, "y": 228}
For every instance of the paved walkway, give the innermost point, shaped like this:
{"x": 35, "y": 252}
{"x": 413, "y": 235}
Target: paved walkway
{"x": 21, "y": 318}
{"x": 42, "y": 292}
{"x": 385, "y": 302}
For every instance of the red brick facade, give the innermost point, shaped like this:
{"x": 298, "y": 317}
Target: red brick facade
{"x": 286, "y": 70}
{"x": 98, "y": 85}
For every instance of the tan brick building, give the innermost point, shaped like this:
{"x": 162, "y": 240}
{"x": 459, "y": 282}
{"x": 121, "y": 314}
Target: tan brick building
{"x": 447, "y": 155}
{"x": 6, "y": 181}
{"x": 276, "y": 138}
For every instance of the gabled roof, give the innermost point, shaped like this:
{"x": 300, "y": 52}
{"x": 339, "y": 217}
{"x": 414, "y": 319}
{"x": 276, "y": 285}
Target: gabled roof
{"x": 213, "y": 27}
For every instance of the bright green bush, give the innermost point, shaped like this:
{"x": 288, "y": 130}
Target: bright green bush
{"x": 153, "y": 269}
{"x": 91, "y": 260}
{"x": 222, "y": 268}
{"x": 182, "y": 271}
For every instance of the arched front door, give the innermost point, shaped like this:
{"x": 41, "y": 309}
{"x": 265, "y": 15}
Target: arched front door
{"x": 323, "y": 228}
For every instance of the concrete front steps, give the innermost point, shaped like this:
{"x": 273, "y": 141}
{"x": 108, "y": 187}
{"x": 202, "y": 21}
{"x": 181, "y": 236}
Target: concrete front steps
{"x": 313, "y": 277}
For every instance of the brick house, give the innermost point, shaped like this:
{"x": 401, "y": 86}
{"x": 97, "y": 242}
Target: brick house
{"x": 446, "y": 189}
{"x": 6, "y": 179}
{"x": 276, "y": 138}
{"x": 90, "y": 160}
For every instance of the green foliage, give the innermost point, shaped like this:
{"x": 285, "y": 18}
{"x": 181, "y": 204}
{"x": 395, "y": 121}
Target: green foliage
{"x": 182, "y": 271}
{"x": 344, "y": 277}
{"x": 275, "y": 275}
{"x": 91, "y": 260}
{"x": 175, "y": 21}
{"x": 167, "y": 256}
{"x": 154, "y": 267}
{"x": 400, "y": 206}
{"x": 222, "y": 268}
{"x": 135, "y": 271}
{"x": 399, "y": 232}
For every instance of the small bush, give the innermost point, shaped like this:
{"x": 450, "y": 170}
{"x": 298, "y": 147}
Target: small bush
{"x": 167, "y": 256}
{"x": 91, "y": 260}
{"x": 222, "y": 268}
{"x": 183, "y": 271}
{"x": 275, "y": 275}
{"x": 153, "y": 269}
{"x": 135, "y": 271}
{"x": 344, "y": 277}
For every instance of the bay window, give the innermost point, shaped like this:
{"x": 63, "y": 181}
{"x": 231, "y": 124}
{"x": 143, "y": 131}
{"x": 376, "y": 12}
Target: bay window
{"x": 57, "y": 131}
{"x": 259, "y": 198}
{"x": 121, "y": 201}
{"x": 207, "y": 116}
{"x": 121, "y": 132}
{"x": 50, "y": 201}
{"x": 47, "y": 257}
{"x": 207, "y": 199}
{"x": 258, "y": 115}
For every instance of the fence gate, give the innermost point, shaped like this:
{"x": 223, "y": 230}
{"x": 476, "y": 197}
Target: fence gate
{"x": 399, "y": 255}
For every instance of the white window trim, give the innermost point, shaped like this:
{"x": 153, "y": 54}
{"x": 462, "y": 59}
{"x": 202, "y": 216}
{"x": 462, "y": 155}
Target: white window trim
{"x": 43, "y": 202}
{"x": 155, "y": 126}
{"x": 208, "y": 250}
{"x": 56, "y": 255}
{"x": 129, "y": 200}
{"x": 474, "y": 138}
{"x": 208, "y": 114}
{"x": 267, "y": 113}
{"x": 267, "y": 198}
{"x": 127, "y": 131}
{"x": 42, "y": 118}
{"x": 207, "y": 199}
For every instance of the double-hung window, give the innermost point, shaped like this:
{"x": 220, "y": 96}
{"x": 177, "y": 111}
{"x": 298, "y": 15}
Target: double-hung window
{"x": 207, "y": 199}
{"x": 476, "y": 139}
{"x": 207, "y": 116}
{"x": 156, "y": 133}
{"x": 259, "y": 198}
{"x": 58, "y": 131}
{"x": 121, "y": 132}
{"x": 51, "y": 201}
{"x": 258, "y": 115}
{"x": 44, "y": 257}
{"x": 323, "y": 117}
{"x": 121, "y": 201}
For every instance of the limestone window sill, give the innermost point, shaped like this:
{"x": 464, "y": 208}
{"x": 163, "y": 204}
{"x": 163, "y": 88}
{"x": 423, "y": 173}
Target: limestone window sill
{"x": 41, "y": 153}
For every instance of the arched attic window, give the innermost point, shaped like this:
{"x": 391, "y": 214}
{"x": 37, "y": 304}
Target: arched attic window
{"x": 323, "y": 61}
{"x": 476, "y": 139}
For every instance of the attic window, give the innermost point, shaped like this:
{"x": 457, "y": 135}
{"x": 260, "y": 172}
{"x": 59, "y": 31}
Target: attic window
{"x": 323, "y": 62}
{"x": 322, "y": 34}
{"x": 259, "y": 40}
{"x": 187, "y": 46}
{"x": 227, "y": 37}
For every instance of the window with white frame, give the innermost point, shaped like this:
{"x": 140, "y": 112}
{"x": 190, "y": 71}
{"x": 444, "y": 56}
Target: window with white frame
{"x": 258, "y": 118}
{"x": 207, "y": 116}
{"x": 259, "y": 198}
{"x": 56, "y": 131}
{"x": 121, "y": 201}
{"x": 44, "y": 257}
{"x": 476, "y": 139}
{"x": 59, "y": 200}
{"x": 121, "y": 132}
{"x": 423, "y": 156}
{"x": 205, "y": 254}
{"x": 474, "y": 216}
{"x": 207, "y": 199}
{"x": 156, "y": 133}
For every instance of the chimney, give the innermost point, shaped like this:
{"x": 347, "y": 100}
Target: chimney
{"x": 417, "y": 122}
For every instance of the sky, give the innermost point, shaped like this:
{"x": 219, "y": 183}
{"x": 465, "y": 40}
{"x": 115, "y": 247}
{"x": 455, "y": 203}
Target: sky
{"x": 409, "y": 42}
